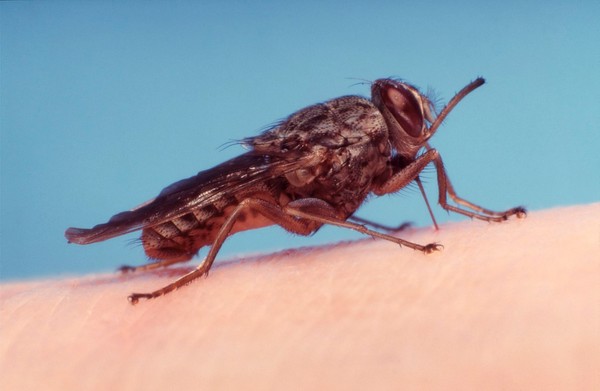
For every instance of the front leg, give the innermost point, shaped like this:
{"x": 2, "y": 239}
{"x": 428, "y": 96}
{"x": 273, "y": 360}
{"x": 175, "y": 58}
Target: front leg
{"x": 316, "y": 210}
{"x": 411, "y": 172}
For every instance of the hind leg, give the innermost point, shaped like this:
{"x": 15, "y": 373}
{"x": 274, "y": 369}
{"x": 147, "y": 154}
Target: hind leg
{"x": 165, "y": 251}
{"x": 152, "y": 265}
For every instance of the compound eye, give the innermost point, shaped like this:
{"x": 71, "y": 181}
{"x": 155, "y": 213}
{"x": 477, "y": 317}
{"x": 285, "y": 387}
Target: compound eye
{"x": 405, "y": 108}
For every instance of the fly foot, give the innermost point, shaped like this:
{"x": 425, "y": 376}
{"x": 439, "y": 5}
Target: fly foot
{"x": 135, "y": 297}
{"x": 431, "y": 247}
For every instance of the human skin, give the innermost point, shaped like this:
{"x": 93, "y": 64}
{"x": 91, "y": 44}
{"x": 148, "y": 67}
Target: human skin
{"x": 504, "y": 306}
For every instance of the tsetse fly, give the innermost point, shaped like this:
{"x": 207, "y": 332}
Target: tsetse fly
{"x": 315, "y": 167}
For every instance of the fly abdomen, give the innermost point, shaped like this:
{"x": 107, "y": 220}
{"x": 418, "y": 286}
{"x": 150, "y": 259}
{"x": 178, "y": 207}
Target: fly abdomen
{"x": 157, "y": 246}
{"x": 185, "y": 223}
{"x": 180, "y": 238}
{"x": 166, "y": 242}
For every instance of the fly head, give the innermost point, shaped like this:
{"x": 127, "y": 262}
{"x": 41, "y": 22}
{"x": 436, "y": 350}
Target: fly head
{"x": 407, "y": 112}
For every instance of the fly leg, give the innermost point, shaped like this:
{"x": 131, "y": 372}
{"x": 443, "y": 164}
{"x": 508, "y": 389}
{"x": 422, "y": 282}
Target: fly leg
{"x": 445, "y": 187}
{"x": 317, "y": 210}
{"x": 300, "y": 217}
{"x": 402, "y": 226}
{"x": 383, "y": 227}
{"x": 152, "y": 265}
{"x": 163, "y": 250}
{"x": 411, "y": 172}
{"x": 267, "y": 209}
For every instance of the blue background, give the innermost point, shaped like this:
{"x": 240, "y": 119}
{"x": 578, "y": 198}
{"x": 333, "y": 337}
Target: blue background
{"x": 105, "y": 103}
